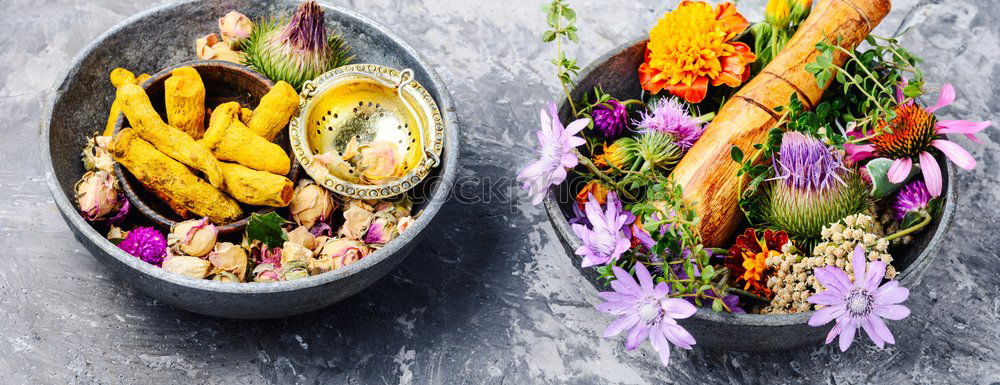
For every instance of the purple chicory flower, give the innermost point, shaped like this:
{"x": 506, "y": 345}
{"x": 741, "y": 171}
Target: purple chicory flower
{"x": 671, "y": 117}
{"x": 604, "y": 241}
{"x": 912, "y": 197}
{"x": 610, "y": 118}
{"x": 556, "y": 154}
{"x": 646, "y": 312}
{"x": 806, "y": 163}
{"x": 861, "y": 303}
{"x": 146, "y": 243}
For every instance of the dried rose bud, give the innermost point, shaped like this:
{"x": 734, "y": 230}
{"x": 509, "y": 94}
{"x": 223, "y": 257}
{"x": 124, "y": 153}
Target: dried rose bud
{"x": 233, "y": 27}
{"x": 193, "y": 267}
{"x": 211, "y": 48}
{"x": 195, "y": 237}
{"x": 358, "y": 217}
{"x": 310, "y": 203}
{"x": 341, "y": 252}
{"x": 96, "y": 156}
{"x": 381, "y": 231}
{"x": 297, "y": 272}
{"x": 293, "y": 252}
{"x": 116, "y": 234}
{"x": 97, "y": 195}
{"x": 230, "y": 258}
{"x": 399, "y": 208}
{"x": 379, "y": 161}
{"x": 302, "y": 236}
{"x": 266, "y": 273}
{"x": 404, "y": 223}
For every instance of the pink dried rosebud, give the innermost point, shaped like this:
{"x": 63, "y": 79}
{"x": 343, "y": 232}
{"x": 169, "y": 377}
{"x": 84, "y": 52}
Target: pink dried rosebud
{"x": 302, "y": 236}
{"x": 339, "y": 253}
{"x": 146, "y": 243}
{"x": 266, "y": 273}
{"x": 358, "y": 217}
{"x": 379, "y": 161}
{"x": 381, "y": 231}
{"x": 310, "y": 203}
{"x": 295, "y": 254}
{"x": 234, "y": 26}
{"x": 193, "y": 267}
{"x": 97, "y": 195}
{"x": 229, "y": 258}
{"x": 404, "y": 223}
{"x": 195, "y": 237}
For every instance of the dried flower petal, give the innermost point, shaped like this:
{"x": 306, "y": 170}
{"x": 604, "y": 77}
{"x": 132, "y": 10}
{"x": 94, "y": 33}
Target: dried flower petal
{"x": 194, "y": 237}
{"x": 230, "y": 258}
{"x": 193, "y": 267}
{"x": 311, "y": 203}
{"x": 234, "y": 26}
{"x": 358, "y": 217}
{"x": 97, "y": 195}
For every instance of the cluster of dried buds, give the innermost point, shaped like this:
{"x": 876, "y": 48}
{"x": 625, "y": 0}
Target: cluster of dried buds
{"x": 97, "y": 193}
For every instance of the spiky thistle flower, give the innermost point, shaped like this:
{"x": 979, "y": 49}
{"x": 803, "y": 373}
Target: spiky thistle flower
{"x": 298, "y": 50}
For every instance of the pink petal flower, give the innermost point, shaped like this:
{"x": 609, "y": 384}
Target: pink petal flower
{"x": 859, "y": 263}
{"x": 847, "y": 334}
{"x": 966, "y": 127}
{"x": 636, "y": 336}
{"x": 893, "y": 312}
{"x": 660, "y": 344}
{"x": 825, "y": 315}
{"x": 891, "y": 293}
{"x": 947, "y": 97}
{"x": 859, "y": 152}
{"x": 678, "y": 335}
{"x": 932, "y": 173}
{"x": 678, "y": 308}
{"x": 620, "y": 324}
{"x": 645, "y": 280}
{"x": 956, "y": 153}
{"x": 900, "y": 169}
{"x": 879, "y": 327}
{"x": 866, "y": 323}
{"x": 876, "y": 272}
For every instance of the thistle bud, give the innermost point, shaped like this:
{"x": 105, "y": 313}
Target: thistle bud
{"x": 193, "y": 267}
{"x": 337, "y": 253}
{"x": 97, "y": 195}
{"x": 229, "y": 258}
{"x": 233, "y": 27}
{"x": 310, "y": 203}
{"x": 357, "y": 218}
{"x": 195, "y": 237}
{"x": 302, "y": 236}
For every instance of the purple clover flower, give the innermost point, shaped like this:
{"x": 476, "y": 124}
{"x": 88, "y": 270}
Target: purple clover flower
{"x": 671, "y": 117}
{"x": 146, "y": 243}
{"x": 604, "y": 241}
{"x": 858, "y": 304}
{"x": 912, "y": 197}
{"x": 611, "y": 118}
{"x": 646, "y": 312}
{"x": 806, "y": 163}
{"x": 556, "y": 154}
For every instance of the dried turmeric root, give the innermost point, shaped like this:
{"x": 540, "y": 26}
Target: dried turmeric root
{"x": 184, "y": 96}
{"x": 245, "y": 115}
{"x": 171, "y": 181}
{"x": 274, "y": 111}
{"x": 232, "y": 141}
{"x": 257, "y": 188}
{"x": 171, "y": 141}
{"x": 119, "y": 77}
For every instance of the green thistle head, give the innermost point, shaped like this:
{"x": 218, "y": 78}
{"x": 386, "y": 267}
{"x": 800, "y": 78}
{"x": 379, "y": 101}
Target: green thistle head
{"x": 658, "y": 150}
{"x": 296, "y": 51}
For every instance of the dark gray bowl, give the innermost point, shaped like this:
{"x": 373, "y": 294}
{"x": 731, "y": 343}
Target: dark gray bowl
{"x": 617, "y": 73}
{"x": 160, "y": 37}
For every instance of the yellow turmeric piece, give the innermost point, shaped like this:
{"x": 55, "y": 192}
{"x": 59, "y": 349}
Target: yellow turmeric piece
{"x": 245, "y": 115}
{"x": 274, "y": 111}
{"x": 184, "y": 96}
{"x": 257, "y": 188}
{"x": 171, "y": 141}
{"x": 171, "y": 181}
{"x": 232, "y": 141}
{"x": 119, "y": 77}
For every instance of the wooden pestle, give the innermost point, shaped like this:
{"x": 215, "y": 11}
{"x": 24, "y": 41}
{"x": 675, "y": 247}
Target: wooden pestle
{"x": 707, "y": 172}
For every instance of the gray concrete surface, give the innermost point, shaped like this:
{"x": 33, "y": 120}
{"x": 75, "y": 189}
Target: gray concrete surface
{"x": 493, "y": 298}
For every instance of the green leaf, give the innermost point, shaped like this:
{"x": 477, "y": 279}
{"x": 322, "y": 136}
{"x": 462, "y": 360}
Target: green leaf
{"x": 737, "y": 154}
{"x": 548, "y": 36}
{"x": 912, "y": 218}
{"x": 717, "y": 305}
{"x": 708, "y": 273}
{"x": 878, "y": 169}
{"x": 267, "y": 229}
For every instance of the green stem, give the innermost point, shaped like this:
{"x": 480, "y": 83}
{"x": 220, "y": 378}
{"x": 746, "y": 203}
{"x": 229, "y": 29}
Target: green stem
{"x": 927, "y": 219}
{"x": 748, "y": 294}
{"x": 559, "y": 58}
{"x": 865, "y": 69}
{"x": 707, "y": 117}
{"x": 604, "y": 177}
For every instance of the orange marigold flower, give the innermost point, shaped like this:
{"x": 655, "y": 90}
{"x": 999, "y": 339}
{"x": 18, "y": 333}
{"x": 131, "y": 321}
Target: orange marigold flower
{"x": 691, "y": 47}
{"x": 595, "y": 188}
{"x": 747, "y": 259}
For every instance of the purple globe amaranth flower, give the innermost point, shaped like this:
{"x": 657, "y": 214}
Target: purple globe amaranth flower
{"x": 646, "y": 312}
{"x": 807, "y": 163}
{"x": 858, "y": 304}
{"x": 610, "y": 118}
{"x": 604, "y": 241}
{"x": 912, "y": 197}
{"x": 669, "y": 116}
{"x": 146, "y": 243}
{"x": 556, "y": 154}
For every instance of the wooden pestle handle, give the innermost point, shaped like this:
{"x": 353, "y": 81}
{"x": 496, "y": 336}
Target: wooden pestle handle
{"x": 707, "y": 172}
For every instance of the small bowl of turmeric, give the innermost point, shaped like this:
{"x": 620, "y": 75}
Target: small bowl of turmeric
{"x": 203, "y": 139}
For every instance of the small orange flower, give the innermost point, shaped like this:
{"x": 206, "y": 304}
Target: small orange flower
{"x": 691, "y": 47}
{"x": 595, "y": 188}
{"x": 747, "y": 259}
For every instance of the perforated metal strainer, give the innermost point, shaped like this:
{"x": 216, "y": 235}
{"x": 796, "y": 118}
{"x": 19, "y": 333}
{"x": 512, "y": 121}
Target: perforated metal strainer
{"x": 360, "y": 105}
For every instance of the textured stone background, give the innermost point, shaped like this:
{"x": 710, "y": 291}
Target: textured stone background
{"x": 492, "y": 298}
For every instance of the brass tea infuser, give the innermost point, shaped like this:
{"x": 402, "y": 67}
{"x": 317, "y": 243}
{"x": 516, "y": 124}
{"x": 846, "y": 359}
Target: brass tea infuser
{"x": 363, "y": 105}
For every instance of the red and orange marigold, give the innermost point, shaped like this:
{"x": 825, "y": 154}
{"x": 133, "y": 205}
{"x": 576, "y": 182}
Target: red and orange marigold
{"x": 692, "y": 46}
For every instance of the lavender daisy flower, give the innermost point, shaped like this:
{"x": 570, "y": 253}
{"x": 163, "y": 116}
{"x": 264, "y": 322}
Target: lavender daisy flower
{"x": 604, "y": 241}
{"x": 646, "y": 312}
{"x": 805, "y": 163}
{"x": 556, "y": 154}
{"x": 912, "y": 197}
{"x": 861, "y": 303}
{"x": 671, "y": 117}
{"x": 611, "y": 118}
{"x": 146, "y": 243}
